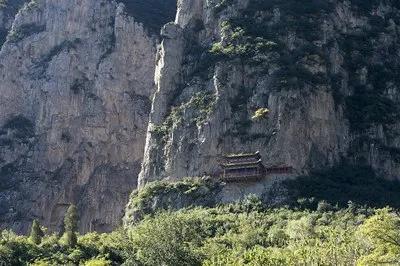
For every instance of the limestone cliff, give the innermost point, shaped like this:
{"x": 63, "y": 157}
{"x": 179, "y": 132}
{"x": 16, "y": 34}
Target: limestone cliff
{"x": 309, "y": 84}
{"x": 322, "y": 74}
{"x": 76, "y": 81}
{"x": 8, "y": 10}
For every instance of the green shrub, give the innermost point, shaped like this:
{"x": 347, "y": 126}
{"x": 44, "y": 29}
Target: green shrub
{"x": 235, "y": 234}
{"x": 71, "y": 226}
{"x": 201, "y": 104}
{"x": 162, "y": 195}
{"x": 169, "y": 239}
{"x": 383, "y": 232}
{"x": 36, "y": 233}
{"x": 98, "y": 262}
{"x": 260, "y": 113}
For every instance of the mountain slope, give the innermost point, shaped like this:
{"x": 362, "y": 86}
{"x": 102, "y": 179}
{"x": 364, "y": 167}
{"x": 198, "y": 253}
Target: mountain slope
{"x": 309, "y": 84}
{"x": 325, "y": 71}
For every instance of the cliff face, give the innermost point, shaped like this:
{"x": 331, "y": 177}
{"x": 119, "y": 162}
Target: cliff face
{"x": 309, "y": 84}
{"x": 8, "y": 10}
{"x": 319, "y": 77}
{"x": 77, "y": 77}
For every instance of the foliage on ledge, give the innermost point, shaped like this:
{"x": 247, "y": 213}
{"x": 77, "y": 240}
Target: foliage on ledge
{"x": 164, "y": 195}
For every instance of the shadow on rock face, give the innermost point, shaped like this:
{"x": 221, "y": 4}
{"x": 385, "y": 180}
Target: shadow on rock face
{"x": 152, "y": 13}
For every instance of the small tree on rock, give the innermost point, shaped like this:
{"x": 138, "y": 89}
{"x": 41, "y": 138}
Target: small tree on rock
{"x": 71, "y": 226}
{"x": 36, "y": 233}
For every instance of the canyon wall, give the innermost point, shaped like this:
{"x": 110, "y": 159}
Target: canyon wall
{"x": 76, "y": 81}
{"x": 310, "y": 85}
{"x": 93, "y": 93}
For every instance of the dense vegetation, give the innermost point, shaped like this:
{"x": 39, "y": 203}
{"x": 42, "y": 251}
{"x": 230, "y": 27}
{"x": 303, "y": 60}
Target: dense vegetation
{"x": 164, "y": 195}
{"x": 335, "y": 217}
{"x": 238, "y": 234}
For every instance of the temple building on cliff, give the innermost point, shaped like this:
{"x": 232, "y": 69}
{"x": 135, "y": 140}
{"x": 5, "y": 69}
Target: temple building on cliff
{"x": 248, "y": 167}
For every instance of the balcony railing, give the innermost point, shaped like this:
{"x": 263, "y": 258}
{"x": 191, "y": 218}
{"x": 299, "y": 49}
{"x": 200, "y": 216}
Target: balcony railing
{"x": 242, "y": 177}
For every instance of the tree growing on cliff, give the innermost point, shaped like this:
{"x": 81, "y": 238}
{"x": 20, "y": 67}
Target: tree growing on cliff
{"x": 260, "y": 113}
{"x": 71, "y": 226}
{"x": 36, "y": 233}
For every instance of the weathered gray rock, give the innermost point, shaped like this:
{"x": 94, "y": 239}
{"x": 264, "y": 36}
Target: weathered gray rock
{"x": 77, "y": 77}
{"x": 77, "y": 88}
{"x": 316, "y": 117}
{"x": 8, "y": 10}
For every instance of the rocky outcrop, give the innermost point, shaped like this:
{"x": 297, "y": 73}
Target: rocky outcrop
{"x": 77, "y": 77}
{"x": 158, "y": 196}
{"x": 202, "y": 192}
{"x": 325, "y": 70}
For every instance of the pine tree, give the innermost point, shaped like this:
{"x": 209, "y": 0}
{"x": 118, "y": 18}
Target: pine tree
{"x": 36, "y": 233}
{"x": 71, "y": 226}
